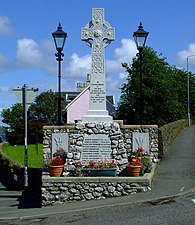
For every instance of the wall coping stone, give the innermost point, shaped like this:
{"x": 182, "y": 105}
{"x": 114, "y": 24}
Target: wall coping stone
{"x": 139, "y": 126}
{"x": 71, "y": 126}
{"x": 145, "y": 179}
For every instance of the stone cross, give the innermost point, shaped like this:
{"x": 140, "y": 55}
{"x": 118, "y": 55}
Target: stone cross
{"x": 97, "y": 34}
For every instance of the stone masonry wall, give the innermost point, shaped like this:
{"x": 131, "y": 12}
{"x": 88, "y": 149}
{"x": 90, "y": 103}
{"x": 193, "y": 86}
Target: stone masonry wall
{"x": 69, "y": 189}
{"x": 120, "y": 136}
{"x": 168, "y": 133}
{"x": 127, "y": 131}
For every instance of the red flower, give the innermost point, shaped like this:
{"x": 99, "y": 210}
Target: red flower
{"x": 57, "y": 161}
{"x": 135, "y": 161}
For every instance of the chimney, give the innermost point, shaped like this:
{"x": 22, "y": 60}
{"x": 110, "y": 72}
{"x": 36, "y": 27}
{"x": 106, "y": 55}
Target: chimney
{"x": 88, "y": 81}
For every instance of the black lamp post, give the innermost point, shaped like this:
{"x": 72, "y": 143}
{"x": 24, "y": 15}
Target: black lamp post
{"x": 59, "y": 38}
{"x": 140, "y": 37}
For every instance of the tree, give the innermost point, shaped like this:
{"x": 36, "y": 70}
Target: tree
{"x": 42, "y": 112}
{"x": 13, "y": 115}
{"x": 164, "y": 91}
{"x": 44, "y": 108}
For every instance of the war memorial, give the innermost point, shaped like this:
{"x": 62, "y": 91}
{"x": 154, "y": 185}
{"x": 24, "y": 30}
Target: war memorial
{"x": 97, "y": 136}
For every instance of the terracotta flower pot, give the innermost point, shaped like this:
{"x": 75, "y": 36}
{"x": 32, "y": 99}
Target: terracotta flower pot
{"x": 55, "y": 171}
{"x": 133, "y": 171}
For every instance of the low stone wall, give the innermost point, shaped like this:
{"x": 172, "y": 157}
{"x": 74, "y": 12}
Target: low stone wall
{"x": 57, "y": 190}
{"x": 168, "y": 133}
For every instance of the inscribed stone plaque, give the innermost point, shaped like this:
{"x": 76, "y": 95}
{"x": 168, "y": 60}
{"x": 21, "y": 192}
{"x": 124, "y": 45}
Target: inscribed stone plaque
{"x": 141, "y": 140}
{"x": 96, "y": 146}
{"x": 59, "y": 140}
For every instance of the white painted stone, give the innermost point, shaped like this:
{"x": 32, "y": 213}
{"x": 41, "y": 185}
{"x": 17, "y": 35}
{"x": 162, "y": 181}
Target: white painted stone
{"x": 97, "y": 34}
{"x": 141, "y": 140}
{"x": 59, "y": 140}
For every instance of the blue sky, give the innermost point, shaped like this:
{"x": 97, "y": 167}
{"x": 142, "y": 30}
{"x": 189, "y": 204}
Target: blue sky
{"x": 27, "y": 52}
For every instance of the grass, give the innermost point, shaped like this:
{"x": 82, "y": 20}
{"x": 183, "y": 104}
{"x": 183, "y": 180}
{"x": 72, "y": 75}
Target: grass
{"x": 35, "y": 155}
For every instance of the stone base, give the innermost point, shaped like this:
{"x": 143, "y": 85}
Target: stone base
{"x": 70, "y": 189}
{"x": 105, "y": 139}
{"x": 97, "y": 116}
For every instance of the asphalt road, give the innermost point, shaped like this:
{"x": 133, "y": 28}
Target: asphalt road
{"x": 173, "y": 211}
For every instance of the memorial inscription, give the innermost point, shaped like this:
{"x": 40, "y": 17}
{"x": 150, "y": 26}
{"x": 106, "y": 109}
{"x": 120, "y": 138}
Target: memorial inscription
{"x": 97, "y": 93}
{"x": 96, "y": 147}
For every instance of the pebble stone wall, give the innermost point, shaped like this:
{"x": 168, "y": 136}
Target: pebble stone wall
{"x": 120, "y": 137}
{"x": 72, "y": 188}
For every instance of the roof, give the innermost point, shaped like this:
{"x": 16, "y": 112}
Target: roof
{"x": 109, "y": 99}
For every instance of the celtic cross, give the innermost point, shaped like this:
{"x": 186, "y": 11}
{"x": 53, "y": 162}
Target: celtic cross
{"x": 97, "y": 34}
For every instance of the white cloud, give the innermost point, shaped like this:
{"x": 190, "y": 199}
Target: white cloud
{"x": 48, "y": 46}
{"x": 29, "y": 53}
{"x": 182, "y": 55}
{"x": 115, "y": 72}
{"x": 123, "y": 54}
{"x": 5, "y": 27}
{"x": 78, "y": 66}
{"x": 33, "y": 55}
{"x": 127, "y": 51}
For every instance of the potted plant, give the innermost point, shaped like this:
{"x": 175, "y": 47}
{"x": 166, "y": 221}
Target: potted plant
{"x": 62, "y": 153}
{"x": 147, "y": 164}
{"x": 139, "y": 152}
{"x": 134, "y": 166}
{"x": 56, "y": 165}
{"x": 96, "y": 168}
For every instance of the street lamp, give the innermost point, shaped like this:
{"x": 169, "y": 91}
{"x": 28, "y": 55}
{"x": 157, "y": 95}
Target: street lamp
{"x": 140, "y": 37}
{"x": 188, "y": 85}
{"x": 59, "y": 39}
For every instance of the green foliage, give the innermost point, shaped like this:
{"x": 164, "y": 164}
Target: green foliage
{"x": 42, "y": 112}
{"x": 12, "y": 115}
{"x": 147, "y": 164}
{"x": 164, "y": 91}
{"x": 35, "y": 133}
{"x": 44, "y": 108}
{"x": 16, "y": 153}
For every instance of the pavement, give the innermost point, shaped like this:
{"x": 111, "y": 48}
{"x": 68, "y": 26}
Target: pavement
{"x": 174, "y": 176}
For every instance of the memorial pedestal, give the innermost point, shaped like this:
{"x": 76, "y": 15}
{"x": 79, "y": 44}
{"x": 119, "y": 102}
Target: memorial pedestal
{"x": 97, "y": 116}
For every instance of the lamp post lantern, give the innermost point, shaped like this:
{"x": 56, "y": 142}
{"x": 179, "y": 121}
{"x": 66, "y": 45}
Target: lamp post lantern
{"x": 59, "y": 39}
{"x": 140, "y": 37}
{"x": 188, "y": 89}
